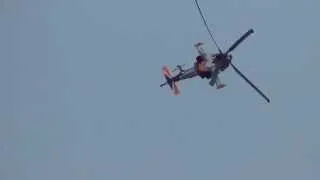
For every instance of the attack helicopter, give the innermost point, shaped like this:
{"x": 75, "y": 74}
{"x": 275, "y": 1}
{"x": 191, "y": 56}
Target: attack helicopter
{"x": 208, "y": 65}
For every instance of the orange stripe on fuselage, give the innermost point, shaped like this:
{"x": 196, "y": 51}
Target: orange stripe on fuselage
{"x": 202, "y": 67}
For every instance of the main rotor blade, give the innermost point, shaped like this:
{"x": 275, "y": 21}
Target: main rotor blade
{"x": 242, "y": 38}
{"x": 205, "y": 23}
{"x": 252, "y": 85}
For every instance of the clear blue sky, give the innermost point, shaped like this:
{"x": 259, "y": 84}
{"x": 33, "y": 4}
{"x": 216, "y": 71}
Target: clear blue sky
{"x": 80, "y": 95}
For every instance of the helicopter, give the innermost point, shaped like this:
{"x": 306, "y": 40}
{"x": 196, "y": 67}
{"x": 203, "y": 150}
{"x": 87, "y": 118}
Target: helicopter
{"x": 214, "y": 65}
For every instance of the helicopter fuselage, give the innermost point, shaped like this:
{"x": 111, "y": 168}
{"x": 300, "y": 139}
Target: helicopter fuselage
{"x": 221, "y": 62}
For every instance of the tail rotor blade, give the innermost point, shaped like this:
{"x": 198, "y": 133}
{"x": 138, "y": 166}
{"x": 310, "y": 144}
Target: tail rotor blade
{"x": 242, "y": 38}
{"x": 249, "y": 82}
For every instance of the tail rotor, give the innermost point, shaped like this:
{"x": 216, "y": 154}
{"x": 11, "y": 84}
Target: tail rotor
{"x": 169, "y": 81}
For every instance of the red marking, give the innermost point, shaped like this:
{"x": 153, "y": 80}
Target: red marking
{"x": 166, "y": 73}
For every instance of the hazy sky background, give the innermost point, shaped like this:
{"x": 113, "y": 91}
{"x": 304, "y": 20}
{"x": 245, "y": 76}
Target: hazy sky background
{"x": 80, "y": 95}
